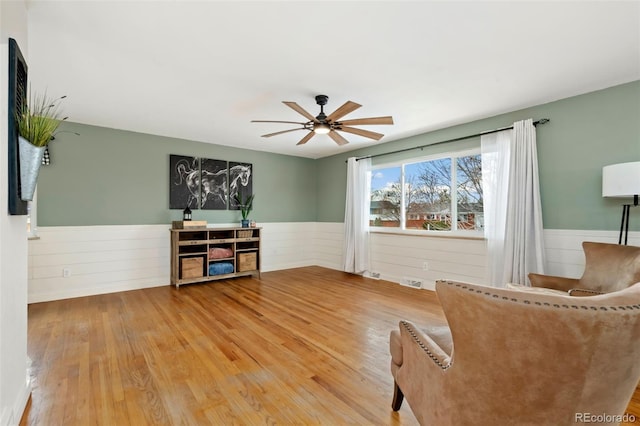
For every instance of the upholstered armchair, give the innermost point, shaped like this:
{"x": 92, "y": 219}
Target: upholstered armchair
{"x": 511, "y": 357}
{"x": 608, "y": 267}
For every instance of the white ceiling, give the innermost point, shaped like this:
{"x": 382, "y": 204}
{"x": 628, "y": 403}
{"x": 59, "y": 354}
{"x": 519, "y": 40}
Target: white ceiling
{"x": 201, "y": 70}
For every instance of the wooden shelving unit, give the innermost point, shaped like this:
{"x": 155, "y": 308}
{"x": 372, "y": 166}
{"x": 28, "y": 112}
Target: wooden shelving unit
{"x": 208, "y": 254}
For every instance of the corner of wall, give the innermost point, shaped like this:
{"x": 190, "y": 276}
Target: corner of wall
{"x": 15, "y": 385}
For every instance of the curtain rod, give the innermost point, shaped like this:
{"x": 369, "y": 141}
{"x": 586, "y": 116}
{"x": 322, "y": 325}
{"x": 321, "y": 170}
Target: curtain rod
{"x": 488, "y": 132}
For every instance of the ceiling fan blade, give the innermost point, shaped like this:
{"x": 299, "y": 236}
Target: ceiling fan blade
{"x": 345, "y": 109}
{"x": 372, "y": 120}
{"x": 297, "y": 108}
{"x": 274, "y": 121}
{"x": 362, "y": 132}
{"x": 337, "y": 137}
{"x": 268, "y": 135}
{"x": 306, "y": 138}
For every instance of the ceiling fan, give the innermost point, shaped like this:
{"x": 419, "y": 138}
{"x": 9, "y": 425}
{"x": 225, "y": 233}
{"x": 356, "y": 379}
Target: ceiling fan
{"x": 330, "y": 124}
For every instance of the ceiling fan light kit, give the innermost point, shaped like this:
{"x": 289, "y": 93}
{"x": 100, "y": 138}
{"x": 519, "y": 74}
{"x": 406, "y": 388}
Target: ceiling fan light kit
{"x": 321, "y": 128}
{"x": 329, "y": 125}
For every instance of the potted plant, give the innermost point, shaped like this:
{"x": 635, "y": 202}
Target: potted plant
{"x": 37, "y": 122}
{"x": 246, "y": 206}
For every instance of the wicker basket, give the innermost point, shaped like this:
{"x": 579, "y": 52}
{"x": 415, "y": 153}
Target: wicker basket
{"x": 245, "y": 234}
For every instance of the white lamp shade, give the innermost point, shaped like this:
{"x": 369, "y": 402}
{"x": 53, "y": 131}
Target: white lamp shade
{"x": 621, "y": 180}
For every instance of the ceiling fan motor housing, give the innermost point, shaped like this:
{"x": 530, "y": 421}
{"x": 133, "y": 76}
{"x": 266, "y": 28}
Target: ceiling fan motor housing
{"x": 322, "y": 100}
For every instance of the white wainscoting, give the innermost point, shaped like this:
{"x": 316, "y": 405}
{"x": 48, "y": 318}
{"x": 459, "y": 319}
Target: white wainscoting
{"x": 328, "y": 242}
{"x": 106, "y": 259}
{"x": 287, "y": 245}
{"x": 402, "y": 257}
{"x": 100, "y": 259}
{"x": 563, "y": 249}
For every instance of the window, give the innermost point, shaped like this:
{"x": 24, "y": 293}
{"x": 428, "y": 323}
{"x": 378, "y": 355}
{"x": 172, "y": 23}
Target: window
{"x": 434, "y": 194}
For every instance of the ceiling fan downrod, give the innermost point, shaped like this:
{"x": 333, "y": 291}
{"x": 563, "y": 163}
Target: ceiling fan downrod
{"x": 322, "y": 127}
{"x": 322, "y": 101}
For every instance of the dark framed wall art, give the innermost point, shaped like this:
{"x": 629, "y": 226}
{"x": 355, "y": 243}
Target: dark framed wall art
{"x": 184, "y": 182}
{"x": 204, "y": 183}
{"x": 214, "y": 184}
{"x": 240, "y": 182}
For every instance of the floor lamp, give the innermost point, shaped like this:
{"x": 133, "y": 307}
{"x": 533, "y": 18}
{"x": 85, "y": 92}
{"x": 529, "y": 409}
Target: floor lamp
{"x": 622, "y": 181}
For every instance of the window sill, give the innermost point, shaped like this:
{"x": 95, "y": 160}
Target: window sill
{"x": 461, "y": 235}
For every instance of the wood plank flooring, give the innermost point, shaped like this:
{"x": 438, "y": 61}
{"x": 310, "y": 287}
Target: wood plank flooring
{"x": 301, "y": 346}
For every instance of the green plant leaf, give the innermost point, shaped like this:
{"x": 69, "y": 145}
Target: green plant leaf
{"x": 39, "y": 118}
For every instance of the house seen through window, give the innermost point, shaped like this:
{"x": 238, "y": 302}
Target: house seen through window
{"x": 438, "y": 194}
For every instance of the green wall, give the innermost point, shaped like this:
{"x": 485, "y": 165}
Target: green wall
{"x": 113, "y": 177}
{"x": 585, "y": 133}
{"x": 106, "y": 176}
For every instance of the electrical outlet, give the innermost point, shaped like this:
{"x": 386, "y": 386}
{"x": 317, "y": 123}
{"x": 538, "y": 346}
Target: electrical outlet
{"x": 425, "y": 266}
{"x": 66, "y": 272}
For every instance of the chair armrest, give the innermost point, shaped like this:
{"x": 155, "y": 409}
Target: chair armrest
{"x": 437, "y": 353}
{"x": 553, "y": 282}
{"x": 420, "y": 365}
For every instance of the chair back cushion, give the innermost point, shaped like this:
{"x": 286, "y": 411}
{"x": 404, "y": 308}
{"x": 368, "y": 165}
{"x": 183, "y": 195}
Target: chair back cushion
{"x": 610, "y": 267}
{"x": 518, "y": 351}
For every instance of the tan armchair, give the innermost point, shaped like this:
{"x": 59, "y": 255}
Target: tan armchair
{"x": 608, "y": 267}
{"x": 514, "y": 357}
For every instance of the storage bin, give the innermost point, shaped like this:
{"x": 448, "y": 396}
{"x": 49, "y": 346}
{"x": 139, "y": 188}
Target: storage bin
{"x": 192, "y": 267}
{"x": 247, "y": 261}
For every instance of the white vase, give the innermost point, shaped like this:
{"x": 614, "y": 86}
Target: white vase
{"x": 30, "y": 162}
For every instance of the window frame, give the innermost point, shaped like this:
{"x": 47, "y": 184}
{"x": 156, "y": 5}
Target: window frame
{"x": 454, "y": 233}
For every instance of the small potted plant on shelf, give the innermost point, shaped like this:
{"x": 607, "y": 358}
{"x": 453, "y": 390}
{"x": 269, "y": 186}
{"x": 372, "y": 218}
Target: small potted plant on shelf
{"x": 37, "y": 122}
{"x": 245, "y": 205}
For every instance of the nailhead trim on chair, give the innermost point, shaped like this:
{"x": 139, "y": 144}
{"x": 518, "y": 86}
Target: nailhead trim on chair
{"x": 425, "y": 348}
{"x": 555, "y": 305}
{"x": 584, "y": 290}
{"x": 439, "y": 362}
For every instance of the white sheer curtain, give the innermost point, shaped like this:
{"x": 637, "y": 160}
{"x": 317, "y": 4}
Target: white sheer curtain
{"x": 495, "y": 184}
{"x": 512, "y": 208}
{"x": 356, "y": 216}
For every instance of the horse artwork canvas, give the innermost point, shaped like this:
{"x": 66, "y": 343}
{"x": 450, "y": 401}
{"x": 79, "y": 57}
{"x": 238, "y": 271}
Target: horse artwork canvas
{"x": 240, "y": 182}
{"x": 214, "y": 184}
{"x": 184, "y": 184}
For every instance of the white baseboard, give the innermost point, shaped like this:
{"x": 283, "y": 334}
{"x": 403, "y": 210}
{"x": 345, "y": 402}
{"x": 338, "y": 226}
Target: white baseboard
{"x": 11, "y": 416}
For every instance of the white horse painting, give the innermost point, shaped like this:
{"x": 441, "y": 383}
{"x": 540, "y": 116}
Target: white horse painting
{"x": 208, "y": 184}
{"x": 213, "y": 185}
{"x": 185, "y": 182}
{"x": 240, "y": 181}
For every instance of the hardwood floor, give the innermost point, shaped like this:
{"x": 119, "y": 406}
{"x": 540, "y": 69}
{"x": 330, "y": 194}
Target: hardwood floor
{"x": 301, "y": 346}
{"x": 634, "y": 409}
{"x": 304, "y": 346}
